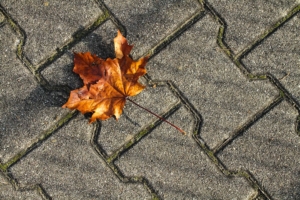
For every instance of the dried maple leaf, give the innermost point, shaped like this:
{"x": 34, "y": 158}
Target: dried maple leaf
{"x": 107, "y": 83}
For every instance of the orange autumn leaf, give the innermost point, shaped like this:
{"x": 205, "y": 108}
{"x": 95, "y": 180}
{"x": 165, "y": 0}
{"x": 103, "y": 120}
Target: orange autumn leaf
{"x": 107, "y": 83}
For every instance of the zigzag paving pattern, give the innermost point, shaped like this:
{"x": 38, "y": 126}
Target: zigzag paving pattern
{"x": 227, "y": 72}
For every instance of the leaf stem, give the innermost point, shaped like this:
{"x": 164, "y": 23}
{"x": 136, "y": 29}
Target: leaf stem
{"x": 163, "y": 119}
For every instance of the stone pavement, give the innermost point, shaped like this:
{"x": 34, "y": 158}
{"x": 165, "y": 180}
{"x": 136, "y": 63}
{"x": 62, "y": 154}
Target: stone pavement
{"x": 227, "y": 72}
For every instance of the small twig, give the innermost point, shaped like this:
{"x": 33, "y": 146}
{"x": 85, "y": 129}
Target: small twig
{"x": 179, "y": 129}
{"x": 286, "y": 75}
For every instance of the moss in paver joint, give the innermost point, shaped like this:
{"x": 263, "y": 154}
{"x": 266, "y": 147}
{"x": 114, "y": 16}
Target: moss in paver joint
{"x": 256, "y": 77}
{"x": 13, "y": 160}
{"x": 281, "y": 93}
{"x": 221, "y": 43}
{"x": 14, "y": 26}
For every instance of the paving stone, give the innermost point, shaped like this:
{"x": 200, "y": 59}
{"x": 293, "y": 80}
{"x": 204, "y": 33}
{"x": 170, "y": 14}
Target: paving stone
{"x": 67, "y": 168}
{"x": 100, "y": 42}
{"x": 177, "y": 168}
{"x": 222, "y": 95}
{"x": 147, "y": 22}
{"x": 246, "y": 20}
{"x": 270, "y": 150}
{"x": 25, "y": 109}
{"x": 49, "y": 24}
{"x": 8, "y": 192}
{"x": 280, "y": 55}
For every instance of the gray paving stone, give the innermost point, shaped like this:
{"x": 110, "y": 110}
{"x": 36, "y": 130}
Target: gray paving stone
{"x": 177, "y": 168}
{"x": 280, "y": 55}
{"x": 270, "y": 150}
{"x": 49, "y": 24}
{"x": 147, "y": 22}
{"x": 246, "y": 20}
{"x": 8, "y": 192}
{"x": 25, "y": 109}
{"x": 67, "y": 168}
{"x": 222, "y": 95}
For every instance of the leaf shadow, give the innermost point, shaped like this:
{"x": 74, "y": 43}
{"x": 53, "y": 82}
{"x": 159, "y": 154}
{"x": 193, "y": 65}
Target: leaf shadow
{"x": 96, "y": 45}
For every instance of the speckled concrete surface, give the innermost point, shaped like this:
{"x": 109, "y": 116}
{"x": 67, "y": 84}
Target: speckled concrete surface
{"x": 226, "y": 72}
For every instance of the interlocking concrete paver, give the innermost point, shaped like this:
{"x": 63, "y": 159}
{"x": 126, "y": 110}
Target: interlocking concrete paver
{"x": 279, "y": 55}
{"x": 68, "y": 168}
{"x": 211, "y": 72}
{"x": 147, "y": 22}
{"x": 247, "y": 20}
{"x": 271, "y": 151}
{"x": 49, "y": 24}
{"x": 25, "y": 108}
{"x": 212, "y": 82}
